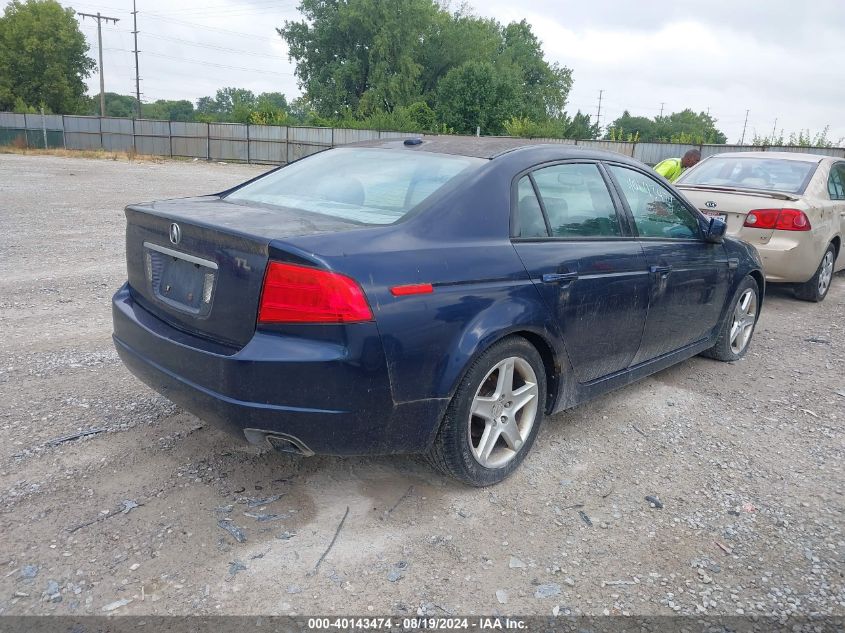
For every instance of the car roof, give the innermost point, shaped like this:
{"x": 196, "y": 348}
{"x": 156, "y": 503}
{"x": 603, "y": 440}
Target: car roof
{"x": 488, "y": 147}
{"x": 798, "y": 156}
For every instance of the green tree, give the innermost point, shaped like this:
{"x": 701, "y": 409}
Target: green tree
{"x": 168, "y": 110}
{"x": 543, "y": 87}
{"x": 581, "y": 127}
{"x": 359, "y": 57}
{"x": 476, "y": 94}
{"x": 359, "y": 54}
{"x": 229, "y": 105}
{"x": 116, "y": 105}
{"x": 680, "y": 127}
{"x": 43, "y": 58}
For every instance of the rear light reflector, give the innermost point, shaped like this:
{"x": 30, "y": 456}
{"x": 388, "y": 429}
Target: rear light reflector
{"x": 780, "y": 219}
{"x": 412, "y": 289}
{"x": 299, "y": 294}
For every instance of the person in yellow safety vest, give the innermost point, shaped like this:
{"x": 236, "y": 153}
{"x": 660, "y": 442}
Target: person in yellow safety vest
{"x": 672, "y": 168}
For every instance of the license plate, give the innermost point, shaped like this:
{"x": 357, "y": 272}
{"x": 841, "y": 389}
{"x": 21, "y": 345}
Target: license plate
{"x": 720, "y": 216}
{"x": 183, "y": 281}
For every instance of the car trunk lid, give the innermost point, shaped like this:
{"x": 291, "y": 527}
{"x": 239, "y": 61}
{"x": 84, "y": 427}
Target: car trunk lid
{"x": 199, "y": 263}
{"x": 733, "y": 205}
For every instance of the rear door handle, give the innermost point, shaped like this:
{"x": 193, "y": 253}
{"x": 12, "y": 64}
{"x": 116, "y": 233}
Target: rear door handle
{"x": 663, "y": 271}
{"x": 556, "y": 278}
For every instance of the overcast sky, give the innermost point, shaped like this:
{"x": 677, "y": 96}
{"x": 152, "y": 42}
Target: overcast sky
{"x": 780, "y": 59}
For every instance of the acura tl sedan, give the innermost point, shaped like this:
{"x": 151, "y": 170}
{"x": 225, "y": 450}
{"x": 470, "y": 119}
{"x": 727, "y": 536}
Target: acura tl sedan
{"x": 790, "y": 206}
{"x": 434, "y": 296}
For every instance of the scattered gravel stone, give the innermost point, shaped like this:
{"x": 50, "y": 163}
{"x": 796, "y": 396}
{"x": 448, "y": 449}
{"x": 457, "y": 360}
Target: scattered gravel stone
{"x": 237, "y": 533}
{"x": 502, "y": 596}
{"x": 111, "y": 606}
{"x": 235, "y": 566}
{"x": 515, "y": 563}
{"x": 654, "y": 502}
{"x": 547, "y": 591}
{"x": 29, "y": 572}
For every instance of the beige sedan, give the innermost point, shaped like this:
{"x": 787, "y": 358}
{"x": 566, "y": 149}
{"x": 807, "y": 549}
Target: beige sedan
{"x": 790, "y": 206}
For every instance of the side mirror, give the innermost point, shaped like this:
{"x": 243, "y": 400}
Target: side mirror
{"x": 716, "y": 231}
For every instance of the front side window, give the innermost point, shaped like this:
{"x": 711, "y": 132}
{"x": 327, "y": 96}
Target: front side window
{"x": 657, "y": 211}
{"x": 836, "y": 182}
{"x": 577, "y": 201}
{"x": 366, "y": 185}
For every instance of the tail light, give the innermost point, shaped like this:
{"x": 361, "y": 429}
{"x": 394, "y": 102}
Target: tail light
{"x": 299, "y": 294}
{"x": 780, "y": 219}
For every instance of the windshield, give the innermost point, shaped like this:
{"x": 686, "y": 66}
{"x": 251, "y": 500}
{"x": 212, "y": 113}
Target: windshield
{"x": 769, "y": 174}
{"x": 367, "y": 185}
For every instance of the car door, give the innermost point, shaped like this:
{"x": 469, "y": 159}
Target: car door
{"x": 689, "y": 276}
{"x": 578, "y": 250}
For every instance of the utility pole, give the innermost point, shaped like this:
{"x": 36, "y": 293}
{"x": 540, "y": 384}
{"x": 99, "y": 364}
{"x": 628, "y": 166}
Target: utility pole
{"x": 744, "y": 125}
{"x": 772, "y": 139}
{"x": 100, "y": 19}
{"x": 662, "y": 103}
{"x": 598, "y": 114}
{"x": 137, "y": 78}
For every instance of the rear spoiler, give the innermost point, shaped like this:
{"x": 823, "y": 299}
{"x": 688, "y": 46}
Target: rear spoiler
{"x": 777, "y": 195}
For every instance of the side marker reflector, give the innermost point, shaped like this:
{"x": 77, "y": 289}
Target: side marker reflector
{"x": 412, "y": 289}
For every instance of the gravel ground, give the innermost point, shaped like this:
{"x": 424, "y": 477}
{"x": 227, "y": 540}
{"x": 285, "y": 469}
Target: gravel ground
{"x": 742, "y": 462}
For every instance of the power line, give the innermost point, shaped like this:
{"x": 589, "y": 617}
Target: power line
{"x": 100, "y": 19}
{"x": 214, "y": 47}
{"x": 207, "y": 63}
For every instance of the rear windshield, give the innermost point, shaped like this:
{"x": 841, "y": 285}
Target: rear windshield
{"x": 367, "y": 185}
{"x": 769, "y": 174}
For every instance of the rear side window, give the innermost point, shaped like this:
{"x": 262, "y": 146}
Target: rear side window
{"x": 577, "y": 201}
{"x": 529, "y": 215}
{"x": 657, "y": 211}
{"x": 366, "y": 185}
{"x": 836, "y": 182}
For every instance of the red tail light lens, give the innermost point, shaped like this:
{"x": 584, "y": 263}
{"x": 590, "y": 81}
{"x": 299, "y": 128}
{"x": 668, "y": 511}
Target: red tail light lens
{"x": 299, "y": 294}
{"x": 780, "y": 219}
{"x": 793, "y": 220}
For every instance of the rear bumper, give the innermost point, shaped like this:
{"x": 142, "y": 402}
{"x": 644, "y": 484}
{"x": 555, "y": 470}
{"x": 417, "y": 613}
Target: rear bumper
{"x": 331, "y": 394}
{"x": 789, "y": 256}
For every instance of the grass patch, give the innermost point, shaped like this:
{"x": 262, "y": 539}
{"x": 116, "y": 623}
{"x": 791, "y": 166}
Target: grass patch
{"x": 100, "y": 154}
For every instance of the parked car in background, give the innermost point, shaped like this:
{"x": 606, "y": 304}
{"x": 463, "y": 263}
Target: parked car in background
{"x": 790, "y": 206}
{"x": 432, "y": 296}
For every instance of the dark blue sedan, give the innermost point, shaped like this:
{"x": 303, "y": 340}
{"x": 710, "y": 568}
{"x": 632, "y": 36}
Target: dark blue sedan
{"x": 433, "y": 296}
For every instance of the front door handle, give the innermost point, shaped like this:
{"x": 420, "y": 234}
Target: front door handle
{"x": 663, "y": 271}
{"x": 556, "y": 278}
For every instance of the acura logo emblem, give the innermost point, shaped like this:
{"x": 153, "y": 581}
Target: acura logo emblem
{"x": 710, "y": 204}
{"x": 175, "y": 233}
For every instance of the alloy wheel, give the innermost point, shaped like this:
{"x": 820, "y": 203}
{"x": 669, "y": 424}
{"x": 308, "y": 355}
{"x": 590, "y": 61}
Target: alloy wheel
{"x": 745, "y": 315}
{"x": 503, "y": 412}
{"x": 826, "y": 273}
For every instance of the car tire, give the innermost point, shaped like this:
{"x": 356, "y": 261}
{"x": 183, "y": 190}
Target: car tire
{"x": 736, "y": 331}
{"x": 490, "y": 425}
{"x": 815, "y": 289}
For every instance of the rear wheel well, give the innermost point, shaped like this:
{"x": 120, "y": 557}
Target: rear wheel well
{"x": 549, "y": 364}
{"x": 761, "y": 284}
{"x": 837, "y": 244}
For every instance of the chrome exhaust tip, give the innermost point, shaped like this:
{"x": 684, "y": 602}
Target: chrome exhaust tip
{"x": 281, "y": 442}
